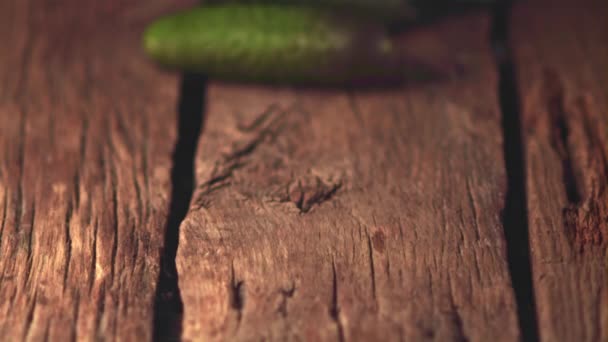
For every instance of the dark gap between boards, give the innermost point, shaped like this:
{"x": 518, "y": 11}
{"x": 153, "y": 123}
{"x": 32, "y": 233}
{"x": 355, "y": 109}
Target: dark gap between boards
{"x": 515, "y": 213}
{"x": 191, "y": 110}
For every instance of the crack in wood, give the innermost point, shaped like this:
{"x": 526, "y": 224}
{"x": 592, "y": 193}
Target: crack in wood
{"x": 30, "y": 255}
{"x": 76, "y": 188}
{"x": 124, "y": 131}
{"x": 135, "y": 242}
{"x": 84, "y": 129}
{"x": 265, "y": 127}
{"x": 334, "y": 308}
{"x": 372, "y": 270}
{"x": 68, "y": 242}
{"x": 304, "y": 192}
{"x": 286, "y": 294}
{"x": 138, "y": 199}
{"x": 47, "y": 330}
{"x": 258, "y": 120}
{"x": 21, "y": 161}
{"x": 305, "y": 195}
{"x": 144, "y": 167}
{"x": 115, "y": 225}
{"x": 29, "y": 320}
{"x": 219, "y": 180}
{"x": 93, "y": 265}
{"x": 560, "y": 134}
{"x": 455, "y": 315}
{"x": 592, "y": 213}
{"x": 4, "y": 214}
{"x": 237, "y": 296}
{"x": 262, "y": 131}
{"x": 572, "y": 131}
{"x": 473, "y": 205}
{"x": 74, "y": 326}
{"x": 101, "y": 305}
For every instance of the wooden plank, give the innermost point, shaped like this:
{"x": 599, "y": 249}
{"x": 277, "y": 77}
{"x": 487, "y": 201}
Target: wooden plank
{"x": 364, "y": 215}
{"x": 87, "y": 128}
{"x": 561, "y": 56}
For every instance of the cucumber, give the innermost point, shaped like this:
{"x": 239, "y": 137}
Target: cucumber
{"x": 273, "y": 44}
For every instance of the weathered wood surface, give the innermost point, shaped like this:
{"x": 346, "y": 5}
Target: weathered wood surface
{"x": 87, "y": 129}
{"x": 318, "y": 214}
{"x": 561, "y": 56}
{"x": 332, "y": 215}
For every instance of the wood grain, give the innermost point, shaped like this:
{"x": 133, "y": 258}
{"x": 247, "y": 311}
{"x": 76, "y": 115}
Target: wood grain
{"x": 562, "y": 62}
{"x": 87, "y": 128}
{"x": 353, "y": 215}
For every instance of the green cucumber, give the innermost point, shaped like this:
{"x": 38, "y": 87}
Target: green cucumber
{"x": 275, "y": 44}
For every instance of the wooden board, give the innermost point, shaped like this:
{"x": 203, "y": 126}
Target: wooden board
{"x": 560, "y": 53}
{"x": 87, "y": 127}
{"x": 362, "y": 215}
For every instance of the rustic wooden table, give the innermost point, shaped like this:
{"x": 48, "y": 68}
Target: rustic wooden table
{"x": 468, "y": 208}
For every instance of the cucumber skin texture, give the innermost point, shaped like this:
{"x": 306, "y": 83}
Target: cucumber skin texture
{"x": 385, "y": 11}
{"x": 272, "y": 44}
